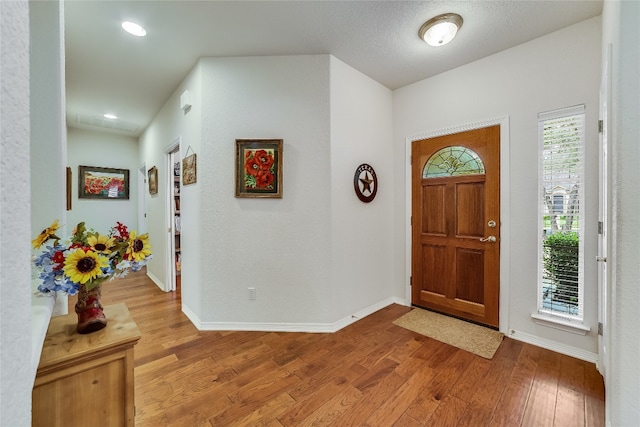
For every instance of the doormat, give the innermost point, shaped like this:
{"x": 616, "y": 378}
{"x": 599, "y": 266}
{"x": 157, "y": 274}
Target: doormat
{"x": 467, "y": 336}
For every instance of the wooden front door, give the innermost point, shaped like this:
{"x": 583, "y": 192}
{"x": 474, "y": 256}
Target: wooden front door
{"x": 456, "y": 224}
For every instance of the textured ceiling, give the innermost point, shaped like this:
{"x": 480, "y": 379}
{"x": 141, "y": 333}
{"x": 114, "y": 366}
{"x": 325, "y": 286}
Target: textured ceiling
{"x": 107, "y": 70}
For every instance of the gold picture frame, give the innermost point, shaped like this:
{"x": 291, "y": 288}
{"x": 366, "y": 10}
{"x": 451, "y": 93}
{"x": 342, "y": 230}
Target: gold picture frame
{"x": 103, "y": 183}
{"x": 189, "y": 169}
{"x": 259, "y": 168}
{"x": 69, "y": 185}
{"x": 153, "y": 180}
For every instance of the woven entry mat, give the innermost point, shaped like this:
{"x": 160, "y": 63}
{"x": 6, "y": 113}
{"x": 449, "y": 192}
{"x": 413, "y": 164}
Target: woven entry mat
{"x": 467, "y": 336}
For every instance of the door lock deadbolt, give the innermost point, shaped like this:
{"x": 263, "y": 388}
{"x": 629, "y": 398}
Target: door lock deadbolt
{"x": 491, "y": 223}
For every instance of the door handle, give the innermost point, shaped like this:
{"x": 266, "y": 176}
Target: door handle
{"x": 488, "y": 239}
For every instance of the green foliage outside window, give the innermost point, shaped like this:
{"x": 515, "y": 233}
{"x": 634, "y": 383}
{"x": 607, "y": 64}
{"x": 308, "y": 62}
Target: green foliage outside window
{"x": 560, "y": 260}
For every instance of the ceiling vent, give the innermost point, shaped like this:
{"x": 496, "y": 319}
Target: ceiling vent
{"x": 98, "y": 121}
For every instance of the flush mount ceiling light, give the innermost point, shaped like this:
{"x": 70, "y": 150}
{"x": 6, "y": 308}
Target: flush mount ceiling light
{"x": 134, "y": 29}
{"x": 440, "y": 29}
{"x": 110, "y": 116}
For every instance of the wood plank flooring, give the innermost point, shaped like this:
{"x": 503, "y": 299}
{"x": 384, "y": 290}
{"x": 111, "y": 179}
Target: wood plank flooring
{"x": 371, "y": 373}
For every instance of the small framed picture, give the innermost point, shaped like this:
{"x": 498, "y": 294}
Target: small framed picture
{"x": 103, "y": 183}
{"x": 69, "y": 184}
{"x": 189, "y": 169}
{"x": 259, "y": 168}
{"x": 153, "y": 180}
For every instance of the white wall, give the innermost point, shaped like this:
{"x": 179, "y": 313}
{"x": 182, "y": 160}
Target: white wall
{"x": 299, "y": 252}
{"x": 89, "y": 148}
{"x": 282, "y": 247}
{"x": 622, "y": 382}
{"x": 15, "y": 286}
{"x": 48, "y": 130}
{"x": 558, "y": 70}
{"x": 362, "y": 243}
{"x": 169, "y": 125}
{"x": 26, "y": 128}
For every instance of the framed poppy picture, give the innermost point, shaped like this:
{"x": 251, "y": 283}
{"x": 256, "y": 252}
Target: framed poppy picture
{"x": 103, "y": 183}
{"x": 259, "y": 168}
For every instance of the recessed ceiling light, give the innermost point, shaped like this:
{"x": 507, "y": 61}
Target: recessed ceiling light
{"x": 441, "y": 29}
{"x": 110, "y": 116}
{"x": 133, "y": 28}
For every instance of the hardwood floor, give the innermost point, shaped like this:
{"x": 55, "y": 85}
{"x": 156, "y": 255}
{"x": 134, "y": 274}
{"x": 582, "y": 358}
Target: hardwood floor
{"x": 371, "y": 373}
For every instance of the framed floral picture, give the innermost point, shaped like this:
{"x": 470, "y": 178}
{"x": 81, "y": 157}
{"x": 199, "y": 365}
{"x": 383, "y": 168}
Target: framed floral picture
{"x": 259, "y": 168}
{"x": 69, "y": 186}
{"x": 103, "y": 183}
{"x": 153, "y": 180}
{"x": 189, "y": 169}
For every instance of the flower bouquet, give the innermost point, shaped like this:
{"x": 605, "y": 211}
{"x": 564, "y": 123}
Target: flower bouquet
{"x": 83, "y": 262}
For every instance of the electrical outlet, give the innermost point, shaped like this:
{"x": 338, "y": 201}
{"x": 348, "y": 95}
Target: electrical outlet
{"x": 252, "y": 294}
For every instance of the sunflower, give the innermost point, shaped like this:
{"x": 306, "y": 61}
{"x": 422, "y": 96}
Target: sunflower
{"x": 101, "y": 243}
{"x": 139, "y": 247}
{"x": 46, "y": 234}
{"x": 81, "y": 266}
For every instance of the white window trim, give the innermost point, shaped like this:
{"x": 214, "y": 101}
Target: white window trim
{"x": 560, "y": 323}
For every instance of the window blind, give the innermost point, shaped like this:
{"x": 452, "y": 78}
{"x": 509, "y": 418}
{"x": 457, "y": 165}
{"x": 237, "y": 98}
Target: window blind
{"x": 561, "y": 225}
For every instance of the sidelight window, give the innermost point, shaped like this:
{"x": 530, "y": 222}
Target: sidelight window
{"x": 561, "y": 214}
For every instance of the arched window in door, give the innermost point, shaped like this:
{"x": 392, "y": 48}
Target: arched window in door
{"x": 453, "y": 161}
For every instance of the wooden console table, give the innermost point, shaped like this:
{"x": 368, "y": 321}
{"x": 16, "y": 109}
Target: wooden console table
{"x": 86, "y": 380}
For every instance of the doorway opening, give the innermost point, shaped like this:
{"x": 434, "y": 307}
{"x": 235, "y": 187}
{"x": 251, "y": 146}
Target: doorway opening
{"x": 142, "y": 200}
{"x": 174, "y": 252}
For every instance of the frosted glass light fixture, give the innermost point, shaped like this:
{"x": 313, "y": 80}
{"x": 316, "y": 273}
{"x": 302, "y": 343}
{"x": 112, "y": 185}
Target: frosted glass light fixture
{"x": 110, "y": 116}
{"x": 134, "y": 29}
{"x": 440, "y": 29}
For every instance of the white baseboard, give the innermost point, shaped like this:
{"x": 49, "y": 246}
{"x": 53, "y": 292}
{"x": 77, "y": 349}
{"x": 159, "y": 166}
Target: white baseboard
{"x": 289, "y": 327}
{"x": 578, "y": 353}
{"x": 191, "y": 315}
{"x": 157, "y": 281}
{"x": 346, "y": 321}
